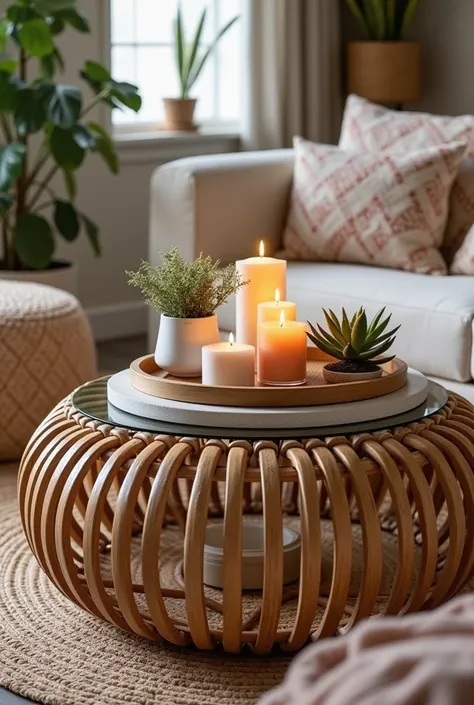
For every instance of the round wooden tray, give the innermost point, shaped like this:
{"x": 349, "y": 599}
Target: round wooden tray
{"x": 147, "y": 377}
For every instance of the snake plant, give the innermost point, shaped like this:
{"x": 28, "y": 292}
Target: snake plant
{"x": 355, "y": 340}
{"x": 190, "y": 58}
{"x": 384, "y": 20}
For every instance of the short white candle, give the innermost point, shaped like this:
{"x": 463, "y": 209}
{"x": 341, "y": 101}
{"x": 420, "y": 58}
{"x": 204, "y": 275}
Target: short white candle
{"x": 228, "y": 364}
{"x": 264, "y": 274}
{"x": 271, "y": 310}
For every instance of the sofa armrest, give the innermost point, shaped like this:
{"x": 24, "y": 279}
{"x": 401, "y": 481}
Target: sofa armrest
{"x": 221, "y": 205}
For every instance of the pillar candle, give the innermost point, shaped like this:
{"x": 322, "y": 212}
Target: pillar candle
{"x": 264, "y": 274}
{"x": 281, "y": 354}
{"x": 228, "y": 364}
{"x": 271, "y": 310}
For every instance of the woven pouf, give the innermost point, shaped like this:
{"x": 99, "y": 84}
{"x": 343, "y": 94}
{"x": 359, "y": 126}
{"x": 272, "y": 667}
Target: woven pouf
{"x": 46, "y": 350}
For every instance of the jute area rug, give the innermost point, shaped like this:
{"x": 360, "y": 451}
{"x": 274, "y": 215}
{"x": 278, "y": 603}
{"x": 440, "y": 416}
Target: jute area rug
{"x": 54, "y": 653}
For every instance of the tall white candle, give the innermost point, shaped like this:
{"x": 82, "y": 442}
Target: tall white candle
{"x": 228, "y": 364}
{"x": 265, "y": 274}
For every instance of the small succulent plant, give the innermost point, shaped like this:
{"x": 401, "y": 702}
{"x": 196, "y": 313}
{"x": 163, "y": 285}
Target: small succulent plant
{"x": 355, "y": 340}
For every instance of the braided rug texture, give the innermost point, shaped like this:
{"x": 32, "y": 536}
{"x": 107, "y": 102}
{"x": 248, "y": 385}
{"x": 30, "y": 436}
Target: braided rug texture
{"x": 53, "y": 652}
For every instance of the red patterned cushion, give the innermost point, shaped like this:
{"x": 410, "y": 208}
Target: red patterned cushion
{"x": 369, "y": 127}
{"x": 380, "y": 209}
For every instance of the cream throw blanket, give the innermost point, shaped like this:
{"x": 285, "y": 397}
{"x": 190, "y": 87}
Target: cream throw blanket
{"x": 423, "y": 659}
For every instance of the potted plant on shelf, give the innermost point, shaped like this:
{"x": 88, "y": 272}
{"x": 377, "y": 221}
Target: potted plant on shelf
{"x": 46, "y": 130}
{"x": 190, "y": 62}
{"x": 385, "y": 68}
{"x": 188, "y": 295}
{"x": 356, "y": 344}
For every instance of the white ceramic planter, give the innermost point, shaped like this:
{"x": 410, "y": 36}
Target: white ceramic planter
{"x": 253, "y": 555}
{"x": 180, "y": 342}
{"x": 63, "y": 275}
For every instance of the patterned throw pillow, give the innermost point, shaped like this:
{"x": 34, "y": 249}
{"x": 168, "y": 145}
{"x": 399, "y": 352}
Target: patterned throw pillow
{"x": 369, "y": 127}
{"x": 380, "y": 209}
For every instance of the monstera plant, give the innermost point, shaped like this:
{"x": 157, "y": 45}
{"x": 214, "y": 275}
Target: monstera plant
{"x": 46, "y": 130}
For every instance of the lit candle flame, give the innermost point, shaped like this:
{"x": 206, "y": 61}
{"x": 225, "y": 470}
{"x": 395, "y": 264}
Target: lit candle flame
{"x": 282, "y": 319}
{"x": 262, "y": 248}
{"x": 277, "y": 296}
{"x": 231, "y": 339}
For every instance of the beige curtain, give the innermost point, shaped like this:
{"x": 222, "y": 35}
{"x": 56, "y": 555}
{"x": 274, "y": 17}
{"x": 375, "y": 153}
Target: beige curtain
{"x": 294, "y": 80}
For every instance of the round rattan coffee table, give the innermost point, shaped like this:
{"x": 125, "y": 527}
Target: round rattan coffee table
{"x": 115, "y": 509}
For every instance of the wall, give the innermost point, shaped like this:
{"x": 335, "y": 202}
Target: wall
{"x": 118, "y": 204}
{"x": 444, "y": 28}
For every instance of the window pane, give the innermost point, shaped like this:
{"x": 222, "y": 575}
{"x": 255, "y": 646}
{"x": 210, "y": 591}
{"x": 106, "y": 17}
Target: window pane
{"x": 155, "y": 20}
{"x": 192, "y": 10}
{"x": 204, "y": 90}
{"x": 123, "y": 69}
{"x": 156, "y": 76}
{"x": 122, "y": 21}
{"x": 229, "y": 66}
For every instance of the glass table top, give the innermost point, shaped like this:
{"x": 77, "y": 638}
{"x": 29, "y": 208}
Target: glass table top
{"x": 91, "y": 400}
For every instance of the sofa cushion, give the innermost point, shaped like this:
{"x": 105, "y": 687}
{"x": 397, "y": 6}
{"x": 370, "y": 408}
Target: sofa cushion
{"x": 436, "y": 313}
{"x": 371, "y": 127}
{"x": 381, "y": 209}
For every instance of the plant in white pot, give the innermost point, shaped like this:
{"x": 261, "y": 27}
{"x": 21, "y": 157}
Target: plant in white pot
{"x": 356, "y": 344}
{"x": 46, "y": 130}
{"x": 384, "y": 67}
{"x": 191, "y": 59}
{"x": 188, "y": 295}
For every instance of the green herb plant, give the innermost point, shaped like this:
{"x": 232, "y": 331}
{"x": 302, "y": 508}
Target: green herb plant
{"x": 190, "y": 57}
{"x": 45, "y": 130}
{"x": 182, "y": 289}
{"x": 355, "y": 340}
{"x": 384, "y": 20}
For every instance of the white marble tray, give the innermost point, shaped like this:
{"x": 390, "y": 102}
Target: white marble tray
{"x": 123, "y": 396}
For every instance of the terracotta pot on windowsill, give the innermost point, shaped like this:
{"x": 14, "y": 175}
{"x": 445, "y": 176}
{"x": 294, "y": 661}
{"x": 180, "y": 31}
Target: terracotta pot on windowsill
{"x": 384, "y": 72}
{"x": 179, "y": 114}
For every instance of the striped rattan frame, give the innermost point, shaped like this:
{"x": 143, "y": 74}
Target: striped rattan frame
{"x": 86, "y": 488}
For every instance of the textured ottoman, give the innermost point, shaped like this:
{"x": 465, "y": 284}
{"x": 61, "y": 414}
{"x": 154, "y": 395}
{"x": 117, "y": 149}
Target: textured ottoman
{"x": 46, "y": 350}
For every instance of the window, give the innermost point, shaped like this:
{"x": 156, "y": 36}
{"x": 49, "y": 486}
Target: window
{"x": 142, "y": 53}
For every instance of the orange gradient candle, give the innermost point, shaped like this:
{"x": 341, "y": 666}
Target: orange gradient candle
{"x": 264, "y": 275}
{"x": 281, "y": 353}
{"x": 271, "y": 310}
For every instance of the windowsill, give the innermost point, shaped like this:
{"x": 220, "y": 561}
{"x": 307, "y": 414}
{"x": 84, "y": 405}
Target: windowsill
{"x": 160, "y": 146}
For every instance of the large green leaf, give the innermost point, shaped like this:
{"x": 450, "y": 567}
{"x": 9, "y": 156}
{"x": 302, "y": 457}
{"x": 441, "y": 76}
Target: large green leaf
{"x": 8, "y": 90}
{"x": 35, "y": 38}
{"x": 11, "y": 163}
{"x": 92, "y": 232}
{"x": 33, "y": 241}
{"x": 76, "y": 19}
{"x": 127, "y": 94}
{"x": 49, "y": 7}
{"x": 66, "y": 152}
{"x": 66, "y": 220}
{"x": 84, "y": 137}
{"x": 64, "y": 106}
{"x": 4, "y": 32}
{"x": 6, "y": 202}
{"x": 29, "y": 112}
{"x": 8, "y": 65}
{"x": 51, "y": 63}
{"x": 97, "y": 72}
{"x": 18, "y": 14}
{"x": 105, "y": 146}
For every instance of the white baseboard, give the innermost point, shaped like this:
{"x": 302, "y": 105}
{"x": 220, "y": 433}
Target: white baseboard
{"x": 118, "y": 320}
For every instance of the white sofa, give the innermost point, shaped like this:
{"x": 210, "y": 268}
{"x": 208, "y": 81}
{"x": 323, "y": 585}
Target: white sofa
{"x": 223, "y": 205}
